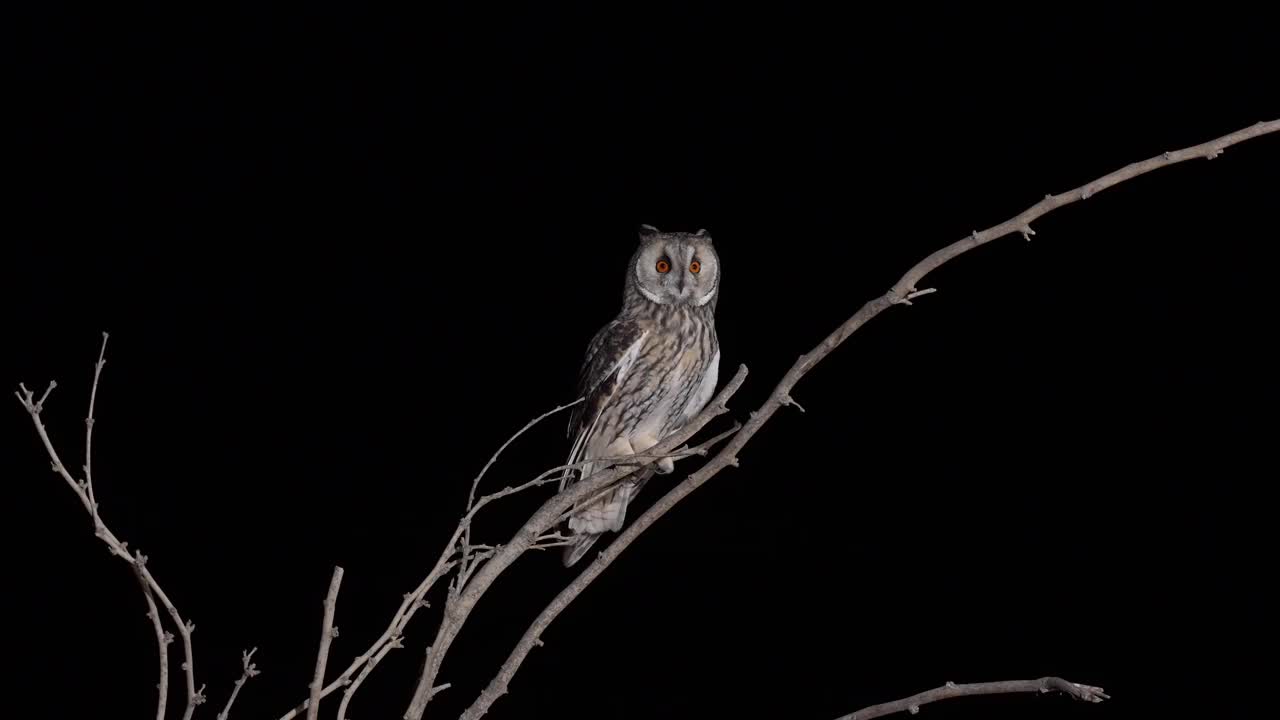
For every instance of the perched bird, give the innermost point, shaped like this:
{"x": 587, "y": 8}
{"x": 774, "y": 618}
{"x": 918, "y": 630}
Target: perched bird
{"x": 646, "y": 373}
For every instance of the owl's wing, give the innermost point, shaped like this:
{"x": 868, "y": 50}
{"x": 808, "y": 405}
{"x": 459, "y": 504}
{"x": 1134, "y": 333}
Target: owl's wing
{"x": 610, "y": 356}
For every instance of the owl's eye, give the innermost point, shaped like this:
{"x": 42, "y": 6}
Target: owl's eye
{"x": 695, "y": 267}
{"x": 664, "y": 266}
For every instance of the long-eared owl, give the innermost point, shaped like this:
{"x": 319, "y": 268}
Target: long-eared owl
{"x": 646, "y": 373}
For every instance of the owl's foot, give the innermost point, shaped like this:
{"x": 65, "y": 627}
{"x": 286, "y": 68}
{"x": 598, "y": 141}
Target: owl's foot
{"x": 665, "y": 466}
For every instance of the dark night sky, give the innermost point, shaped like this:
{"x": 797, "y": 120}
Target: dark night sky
{"x": 344, "y": 252}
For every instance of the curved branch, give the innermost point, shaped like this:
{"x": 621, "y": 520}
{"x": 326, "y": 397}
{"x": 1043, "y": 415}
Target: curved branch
{"x": 84, "y": 491}
{"x": 912, "y": 704}
{"x": 900, "y": 294}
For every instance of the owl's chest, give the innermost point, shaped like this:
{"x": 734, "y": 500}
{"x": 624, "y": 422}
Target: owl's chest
{"x": 666, "y": 375}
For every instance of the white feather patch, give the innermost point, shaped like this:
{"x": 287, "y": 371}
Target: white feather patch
{"x": 651, "y": 296}
{"x": 622, "y": 367}
{"x": 706, "y": 389}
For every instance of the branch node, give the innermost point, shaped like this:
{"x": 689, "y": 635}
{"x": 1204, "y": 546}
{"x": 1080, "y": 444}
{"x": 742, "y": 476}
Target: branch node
{"x": 914, "y": 709}
{"x": 40, "y": 405}
{"x": 788, "y": 400}
{"x": 912, "y": 294}
{"x": 1027, "y": 232}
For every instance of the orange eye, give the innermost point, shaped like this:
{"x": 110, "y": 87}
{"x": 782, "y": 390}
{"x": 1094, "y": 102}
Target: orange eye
{"x": 695, "y": 266}
{"x": 664, "y": 266}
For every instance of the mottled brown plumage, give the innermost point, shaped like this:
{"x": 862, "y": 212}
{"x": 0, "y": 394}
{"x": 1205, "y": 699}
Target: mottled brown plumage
{"x": 646, "y": 372}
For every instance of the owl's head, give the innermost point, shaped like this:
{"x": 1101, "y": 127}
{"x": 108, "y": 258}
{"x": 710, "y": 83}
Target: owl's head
{"x": 675, "y": 268}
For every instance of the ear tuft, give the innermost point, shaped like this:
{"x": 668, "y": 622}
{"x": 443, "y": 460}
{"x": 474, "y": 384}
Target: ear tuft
{"x": 648, "y": 231}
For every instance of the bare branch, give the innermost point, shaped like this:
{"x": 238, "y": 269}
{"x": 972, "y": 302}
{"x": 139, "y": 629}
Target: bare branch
{"x": 1021, "y": 223}
{"x": 912, "y": 704}
{"x": 327, "y": 633}
{"x": 476, "y": 482}
{"x": 88, "y": 432}
{"x": 364, "y": 673}
{"x": 458, "y": 544}
{"x": 250, "y": 669}
{"x": 185, "y": 628}
{"x": 83, "y": 490}
{"x": 162, "y": 645}
{"x": 471, "y": 497}
{"x": 900, "y": 293}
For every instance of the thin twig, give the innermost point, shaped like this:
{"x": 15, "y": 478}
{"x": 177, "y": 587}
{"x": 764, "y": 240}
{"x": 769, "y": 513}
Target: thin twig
{"x": 83, "y": 490}
{"x": 476, "y": 482}
{"x": 364, "y": 672}
{"x": 250, "y": 670}
{"x": 327, "y": 633}
{"x": 88, "y": 432}
{"x": 185, "y": 628}
{"x": 163, "y": 638}
{"x": 902, "y": 291}
{"x": 471, "y": 496}
{"x": 912, "y": 704}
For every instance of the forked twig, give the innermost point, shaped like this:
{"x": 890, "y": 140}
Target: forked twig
{"x": 84, "y": 491}
{"x": 250, "y": 670}
{"x": 912, "y": 704}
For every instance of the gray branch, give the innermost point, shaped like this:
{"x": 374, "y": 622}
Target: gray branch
{"x": 327, "y": 633}
{"x": 250, "y": 670}
{"x": 912, "y": 704}
{"x": 84, "y": 492}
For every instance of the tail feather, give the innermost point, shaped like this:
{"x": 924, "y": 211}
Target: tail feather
{"x": 578, "y": 547}
{"x": 605, "y": 514}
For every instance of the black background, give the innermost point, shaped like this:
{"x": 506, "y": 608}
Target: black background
{"x": 344, "y": 252}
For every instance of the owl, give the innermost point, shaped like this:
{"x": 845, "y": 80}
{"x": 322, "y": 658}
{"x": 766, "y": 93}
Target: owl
{"x": 645, "y": 374}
